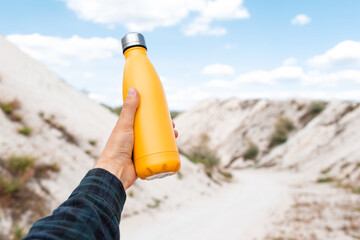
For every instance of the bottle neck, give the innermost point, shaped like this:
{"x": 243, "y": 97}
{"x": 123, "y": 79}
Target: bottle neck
{"x": 134, "y": 51}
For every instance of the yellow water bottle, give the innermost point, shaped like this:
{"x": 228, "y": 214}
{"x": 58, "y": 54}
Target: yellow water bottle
{"x": 155, "y": 150}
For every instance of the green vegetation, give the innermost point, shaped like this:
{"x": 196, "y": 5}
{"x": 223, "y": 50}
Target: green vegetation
{"x": 116, "y": 110}
{"x": 179, "y": 175}
{"x": 18, "y": 232}
{"x": 251, "y": 152}
{"x": 174, "y": 114}
{"x": 156, "y": 203}
{"x": 202, "y": 154}
{"x": 15, "y": 195}
{"x": 8, "y": 186}
{"x": 316, "y": 108}
{"x": 282, "y": 128}
{"x": 92, "y": 142}
{"x": 131, "y": 194}
{"x": 16, "y": 117}
{"x": 19, "y": 164}
{"x": 6, "y": 108}
{"x": 325, "y": 180}
{"x": 65, "y": 134}
{"x": 42, "y": 170}
{"x": 327, "y": 170}
{"x": 9, "y": 107}
{"x": 25, "y": 130}
{"x": 227, "y": 175}
{"x": 352, "y": 188}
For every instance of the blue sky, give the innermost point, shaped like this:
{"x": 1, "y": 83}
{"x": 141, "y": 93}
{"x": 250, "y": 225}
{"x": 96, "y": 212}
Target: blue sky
{"x": 200, "y": 48}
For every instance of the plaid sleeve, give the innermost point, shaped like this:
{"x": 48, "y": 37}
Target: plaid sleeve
{"x": 92, "y": 211}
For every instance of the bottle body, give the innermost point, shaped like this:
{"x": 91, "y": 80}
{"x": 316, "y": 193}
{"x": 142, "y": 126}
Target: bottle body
{"x": 155, "y": 151}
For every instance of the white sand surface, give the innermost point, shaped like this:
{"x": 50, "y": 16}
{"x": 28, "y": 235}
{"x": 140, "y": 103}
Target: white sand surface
{"x": 239, "y": 211}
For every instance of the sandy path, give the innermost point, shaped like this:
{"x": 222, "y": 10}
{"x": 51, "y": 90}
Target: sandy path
{"x": 240, "y": 210}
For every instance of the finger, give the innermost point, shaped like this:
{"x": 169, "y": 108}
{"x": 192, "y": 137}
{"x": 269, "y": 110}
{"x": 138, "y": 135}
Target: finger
{"x": 176, "y": 133}
{"x": 173, "y": 124}
{"x": 127, "y": 116}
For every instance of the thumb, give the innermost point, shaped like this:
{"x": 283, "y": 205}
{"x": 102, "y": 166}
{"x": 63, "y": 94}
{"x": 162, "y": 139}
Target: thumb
{"x": 127, "y": 116}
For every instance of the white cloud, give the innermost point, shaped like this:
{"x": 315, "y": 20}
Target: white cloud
{"x": 301, "y": 20}
{"x": 62, "y": 51}
{"x": 346, "y": 53}
{"x": 145, "y": 15}
{"x": 202, "y": 26}
{"x": 219, "y": 83}
{"x": 270, "y": 77}
{"x": 290, "y": 62}
{"x": 219, "y": 10}
{"x": 88, "y": 75}
{"x": 218, "y": 69}
{"x": 331, "y": 79}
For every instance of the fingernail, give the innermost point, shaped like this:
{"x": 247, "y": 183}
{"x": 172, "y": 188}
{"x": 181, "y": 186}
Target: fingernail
{"x": 131, "y": 92}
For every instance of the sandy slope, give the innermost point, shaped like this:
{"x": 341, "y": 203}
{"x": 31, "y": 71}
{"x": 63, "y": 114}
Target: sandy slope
{"x": 239, "y": 211}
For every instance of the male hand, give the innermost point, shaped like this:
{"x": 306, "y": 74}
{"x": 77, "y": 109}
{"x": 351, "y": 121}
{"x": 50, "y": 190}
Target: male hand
{"x": 117, "y": 155}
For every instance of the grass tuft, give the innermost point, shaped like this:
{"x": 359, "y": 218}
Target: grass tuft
{"x": 251, "y": 152}
{"x": 282, "y": 128}
{"x": 25, "y": 130}
{"x": 325, "y": 180}
{"x": 19, "y": 164}
{"x": 92, "y": 142}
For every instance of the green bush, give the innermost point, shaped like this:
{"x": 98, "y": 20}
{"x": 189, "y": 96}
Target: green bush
{"x": 18, "y": 232}
{"x": 19, "y": 164}
{"x": 278, "y": 137}
{"x": 131, "y": 194}
{"x": 25, "y": 130}
{"x": 174, "y": 114}
{"x": 282, "y": 128}
{"x": 6, "y": 107}
{"x": 92, "y": 142}
{"x": 316, "y": 108}
{"x": 9, "y": 107}
{"x": 325, "y": 180}
{"x": 202, "y": 154}
{"x": 8, "y": 186}
{"x": 156, "y": 203}
{"x": 251, "y": 152}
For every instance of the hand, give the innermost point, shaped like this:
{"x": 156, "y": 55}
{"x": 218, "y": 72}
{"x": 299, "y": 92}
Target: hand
{"x": 117, "y": 155}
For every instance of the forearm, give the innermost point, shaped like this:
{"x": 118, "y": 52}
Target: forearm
{"x": 92, "y": 211}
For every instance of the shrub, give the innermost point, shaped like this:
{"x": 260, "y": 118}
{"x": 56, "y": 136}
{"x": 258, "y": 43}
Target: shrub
{"x": 325, "y": 180}
{"x": 251, "y": 152}
{"x": 202, "y": 154}
{"x": 316, "y": 108}
{"x": 282, "y": 128}
{"x": 92, "y": 142}
{"x": 174, "y": 114}
{"x": 18, "y": 232}
{"x": 16, "y": 117}
{"x": 42, "y": 170}
{"x": 116, "y": 110}
{"x": 278, "y": 137}
{"x": 6, "y": 107}
{"x": 156, "y": 203}
{"x": 226, "y": 174}
{"x": 131, "y": 194}
{"x": 205, "y": 156}
{"x": 9, "y": 107}
{"x": 19, "y": 164}
{"x": 8, "y": 186}
{"x": 25, "y": 130}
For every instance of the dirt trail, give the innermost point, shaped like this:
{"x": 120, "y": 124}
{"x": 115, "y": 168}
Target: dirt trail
{"x": 240, "y": 210}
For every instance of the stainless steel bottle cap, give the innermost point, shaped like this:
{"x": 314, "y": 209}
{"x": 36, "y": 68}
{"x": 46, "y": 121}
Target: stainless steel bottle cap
{"x": 133, "y": 39}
